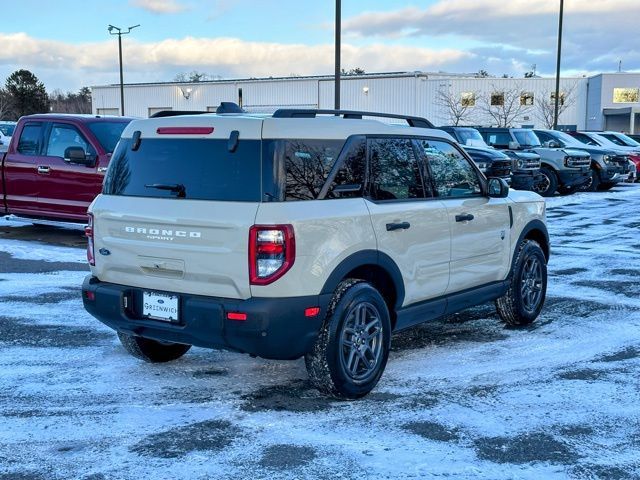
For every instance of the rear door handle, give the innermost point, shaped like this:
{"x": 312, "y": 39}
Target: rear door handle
{"x": 43, "y": 169}
{"x": 465, "y": 217}
{"x": 398, "y": 226}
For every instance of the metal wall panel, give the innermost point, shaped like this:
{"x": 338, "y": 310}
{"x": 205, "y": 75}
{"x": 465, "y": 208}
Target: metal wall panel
{"x": 411, "y": 94}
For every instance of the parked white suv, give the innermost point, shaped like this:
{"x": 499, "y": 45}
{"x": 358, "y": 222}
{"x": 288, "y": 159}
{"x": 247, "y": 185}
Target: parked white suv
{"x": 303, "y": 234}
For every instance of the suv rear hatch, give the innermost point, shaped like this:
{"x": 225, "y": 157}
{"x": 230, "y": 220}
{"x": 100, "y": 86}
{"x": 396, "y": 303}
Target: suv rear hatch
{"x": 178, "y": 201}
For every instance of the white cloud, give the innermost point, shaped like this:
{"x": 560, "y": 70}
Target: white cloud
{"x": 595, "y": 32}
{"x": 95, "y": 63}
{"x": 159, "y": 6}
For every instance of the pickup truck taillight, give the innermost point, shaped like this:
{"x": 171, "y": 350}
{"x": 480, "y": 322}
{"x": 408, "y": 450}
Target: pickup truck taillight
{"x": 88, "y": 231}
{"x": 272, "y": 251}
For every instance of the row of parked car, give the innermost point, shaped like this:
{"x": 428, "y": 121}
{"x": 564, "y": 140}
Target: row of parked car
{"x": 56, "y": 163}
{"x": 550, "y": 161}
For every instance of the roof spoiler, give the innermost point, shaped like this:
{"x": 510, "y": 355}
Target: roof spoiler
{"x": 418, "y": 122}
{"x": 224, "y": 107}
{"x": 176, "y": 113}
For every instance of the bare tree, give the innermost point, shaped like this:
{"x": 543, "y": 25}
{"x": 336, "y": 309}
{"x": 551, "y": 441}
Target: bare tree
{"x": 545, "y": 104}
{"x": 71, "y": 102}
{"x": 505, "y": 105}
{"x": 459, "y": 107}
{"x": 194, "y": 77}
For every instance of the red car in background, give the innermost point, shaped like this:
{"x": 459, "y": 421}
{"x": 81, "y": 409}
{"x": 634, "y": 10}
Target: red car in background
{"x": 626, "y": 141}
{"x": 55, "y": 164}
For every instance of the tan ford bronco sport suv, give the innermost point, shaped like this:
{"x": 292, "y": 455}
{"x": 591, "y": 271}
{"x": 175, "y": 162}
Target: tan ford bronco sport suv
{"x": 310, "y": 233}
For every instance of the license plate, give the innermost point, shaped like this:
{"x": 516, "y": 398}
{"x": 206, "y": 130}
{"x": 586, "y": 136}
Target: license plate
{"x": 159, "y": 306}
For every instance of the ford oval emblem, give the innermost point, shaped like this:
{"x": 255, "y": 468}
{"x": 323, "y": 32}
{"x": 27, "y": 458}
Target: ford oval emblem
{"x": 160, "y": 301}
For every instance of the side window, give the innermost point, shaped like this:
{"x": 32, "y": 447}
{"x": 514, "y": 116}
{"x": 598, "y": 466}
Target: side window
{"x": 394, "y": 173}
{"x": 349, "y": 180}
{"x": 452, "y": 173}
{"x": 543, "y": 136}
{"x": 29, "y": 143}
{"x": 63, "y": 136}
{"x": 308, "y": 164}
{"x": 585, "y": 139}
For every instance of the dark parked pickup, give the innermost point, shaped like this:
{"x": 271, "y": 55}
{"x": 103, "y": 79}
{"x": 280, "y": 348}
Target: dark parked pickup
{"x": 55, "y": 164}
{"x": 525, "y": 166}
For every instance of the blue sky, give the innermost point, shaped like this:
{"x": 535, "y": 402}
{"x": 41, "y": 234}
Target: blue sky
{"x": 68, "y": 46}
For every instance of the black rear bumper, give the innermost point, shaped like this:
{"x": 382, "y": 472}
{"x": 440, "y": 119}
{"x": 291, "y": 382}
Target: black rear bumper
{"x": 275, "y": 328}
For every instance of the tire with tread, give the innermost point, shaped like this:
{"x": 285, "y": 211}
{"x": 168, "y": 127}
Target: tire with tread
{"x": 511, "y": 306}
{"x": 594, "y": 184}
{"x": 326, "y": 370}
{"x": 553, "y": 182}
{"x": 150, "y": 350}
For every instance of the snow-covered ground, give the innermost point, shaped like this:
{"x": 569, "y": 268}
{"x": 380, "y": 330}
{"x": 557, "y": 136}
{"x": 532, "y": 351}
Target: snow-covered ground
{"x": 466, "y": 398}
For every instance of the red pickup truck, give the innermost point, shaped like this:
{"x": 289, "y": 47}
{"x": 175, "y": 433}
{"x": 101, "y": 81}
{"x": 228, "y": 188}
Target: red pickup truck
{"x": 55, "y": 163}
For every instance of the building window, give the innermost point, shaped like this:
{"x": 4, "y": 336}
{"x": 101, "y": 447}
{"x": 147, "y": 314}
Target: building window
{"x": 626, "y": 95}
{"x": 497, "y": 99}
{"x": 468, "y": 99}
{"x": 526, "y": 99}
{"x": 553, "y": 98}
{"x": 154, "y": 110}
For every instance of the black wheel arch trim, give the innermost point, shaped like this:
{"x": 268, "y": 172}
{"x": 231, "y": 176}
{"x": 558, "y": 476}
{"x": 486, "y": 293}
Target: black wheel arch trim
{"x": 360, "y": 259}
{"x": 529, "y": 227}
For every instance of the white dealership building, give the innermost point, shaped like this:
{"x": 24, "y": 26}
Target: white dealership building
{"x": 608, "y": 101}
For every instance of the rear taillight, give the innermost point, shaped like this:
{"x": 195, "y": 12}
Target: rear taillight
{"x": 272, "y": 251}
{"x": 88, "y": 231}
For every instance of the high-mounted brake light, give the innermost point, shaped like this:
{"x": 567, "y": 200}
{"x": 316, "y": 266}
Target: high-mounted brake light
{"x": 88, "y": 232}
{"x": 184, "y": 130}
{"x": 272, "y": 251}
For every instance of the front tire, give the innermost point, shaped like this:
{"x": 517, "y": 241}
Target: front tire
{"x": 352, "y": 349}
{"x": 151, "y": 350}
{"x": 549, "y": 185}
{"x": 594, "y": 183}
{"x": 524, "y": 300}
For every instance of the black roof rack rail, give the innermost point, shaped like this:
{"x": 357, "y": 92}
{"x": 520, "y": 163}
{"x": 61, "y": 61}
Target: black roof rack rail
{"x": 418, "y": 122}
{"x": 176, "y": 113}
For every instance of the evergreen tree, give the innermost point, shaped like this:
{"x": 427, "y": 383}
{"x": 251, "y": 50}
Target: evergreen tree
{"x": 27, "y": 93}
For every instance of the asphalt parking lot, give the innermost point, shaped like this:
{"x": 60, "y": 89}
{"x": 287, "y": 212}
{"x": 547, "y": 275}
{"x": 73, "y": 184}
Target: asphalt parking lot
{"x": 461, "y": 398}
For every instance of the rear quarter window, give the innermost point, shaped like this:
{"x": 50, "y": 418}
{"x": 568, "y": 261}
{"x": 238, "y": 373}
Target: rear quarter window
{"x": 204, "y": 168}
{"x": 307, "y": 165}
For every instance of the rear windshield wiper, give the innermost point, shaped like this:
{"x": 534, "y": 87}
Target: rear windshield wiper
{"x": 172, "y": 187}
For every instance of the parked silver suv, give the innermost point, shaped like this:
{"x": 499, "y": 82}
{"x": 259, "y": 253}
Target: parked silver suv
{"x": 306, "y": 233}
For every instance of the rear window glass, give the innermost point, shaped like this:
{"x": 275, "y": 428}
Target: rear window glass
{"x": 307, "y": 164}
{"x": 197, "y": 169}
{"x": 501, "y": 139}
{"x": 7, "y": 129}
{"x": 108, "y": 133}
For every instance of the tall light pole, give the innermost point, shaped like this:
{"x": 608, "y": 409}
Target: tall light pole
{"x": 118, "y": 31}
{"x": 557, "y": 99}
{"x": 336, "y": 81}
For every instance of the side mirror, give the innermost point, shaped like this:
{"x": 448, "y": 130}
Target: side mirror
{"x": 77, "y": 155}
{"x": 497, "y": 188}
{"x": 514, "y": 146}
{"x": 552, "y": 144}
